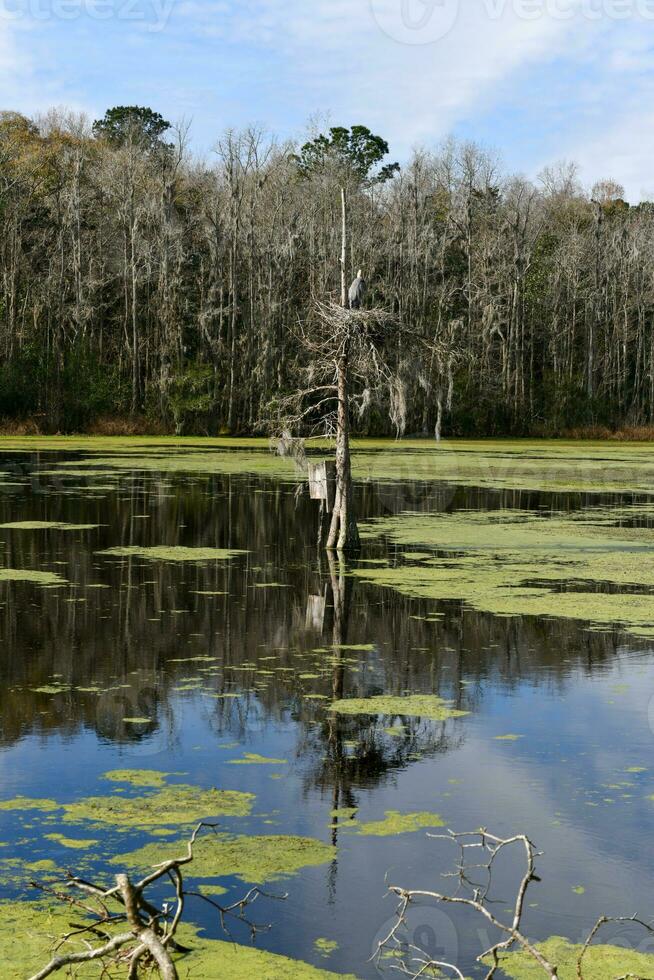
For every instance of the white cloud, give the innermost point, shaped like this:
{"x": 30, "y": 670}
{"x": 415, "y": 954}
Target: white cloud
{"x": 360, "y": 59}
{"x": 613, "y": 121}
{"x": 621, "y": 148}
{"x": 16, "y": 70}
{"x": 354, "y": 58}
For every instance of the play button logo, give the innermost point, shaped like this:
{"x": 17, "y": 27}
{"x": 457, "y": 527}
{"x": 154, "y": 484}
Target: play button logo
{"x": 415, "y": 21}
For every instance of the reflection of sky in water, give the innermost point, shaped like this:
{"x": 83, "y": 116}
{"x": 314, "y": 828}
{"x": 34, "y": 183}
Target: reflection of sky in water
{"x": 578, "y": 699}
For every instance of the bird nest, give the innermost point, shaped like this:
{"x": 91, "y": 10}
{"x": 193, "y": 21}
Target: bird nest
{"x": 342, "y": 319}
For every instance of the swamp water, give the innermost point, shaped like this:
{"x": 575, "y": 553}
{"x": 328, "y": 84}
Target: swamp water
{"x": 176, "y": 646}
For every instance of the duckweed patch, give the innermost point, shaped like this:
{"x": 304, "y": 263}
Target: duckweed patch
{"x": 169, "y": 553}
{"x": 27, "y": 575}
{"x": 326, "y": 946}
{"x": 24, "y": 803}
{"x": 19, "y": 874}
{"x": 253, "y": 759}
{"x": 555, "y": 466}
{"x": 227, "y": 458}
{"x": 150, "y": 778}
{"x": 214, "y": 890}
{"x": 73, "y": 843}
{"x": 29, "y": 929}
{"x": 217, "y": 958}
{"x": 552, "y": 466}
{"x": 46, "y": 526}
{"x": 395, "y": 822}
{"x": 600, "y": 962}
{"x": 179, "y": 804}
{"x": 51, "y": 689}
{"x": 413, "y": 705}
{"x": 255, "y": 859}
{"x": 517, "y": 563}
{"x": 345, "y": 813}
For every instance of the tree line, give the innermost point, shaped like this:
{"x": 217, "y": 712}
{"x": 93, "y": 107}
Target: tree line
{"x": 139, "y": 282}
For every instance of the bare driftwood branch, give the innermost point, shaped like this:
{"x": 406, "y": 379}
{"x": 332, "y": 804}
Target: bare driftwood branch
{"x": 149, "y": 938}
{"x": 602, "y": 921}
{"x": 479, "y": 852}
{"x": 475, "y": 896}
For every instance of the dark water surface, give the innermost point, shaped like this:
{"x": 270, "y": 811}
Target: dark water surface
{"x": 577, "y": 780}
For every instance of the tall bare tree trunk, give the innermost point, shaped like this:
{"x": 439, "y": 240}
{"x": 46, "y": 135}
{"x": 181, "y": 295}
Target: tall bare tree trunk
{"x": 344, "y": 302}
{"x": 343, "y": 532}
{"x": 135, "y": 338}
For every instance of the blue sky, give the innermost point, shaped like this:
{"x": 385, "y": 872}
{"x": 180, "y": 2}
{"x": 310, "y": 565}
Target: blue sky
{"x": 539, "y": 80}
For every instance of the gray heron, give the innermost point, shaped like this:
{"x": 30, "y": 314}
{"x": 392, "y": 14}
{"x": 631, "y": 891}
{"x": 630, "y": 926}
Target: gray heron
{"x": 357, "y": 291}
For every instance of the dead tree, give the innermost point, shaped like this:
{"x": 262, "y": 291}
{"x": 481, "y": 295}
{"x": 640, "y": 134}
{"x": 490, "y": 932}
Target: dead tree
{"x": 353, "y": 359}
{"x": 347, "y": 361}
{"x": 350, "y": 160}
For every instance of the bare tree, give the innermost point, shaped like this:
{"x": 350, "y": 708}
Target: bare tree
{"x": 130, "y": 271}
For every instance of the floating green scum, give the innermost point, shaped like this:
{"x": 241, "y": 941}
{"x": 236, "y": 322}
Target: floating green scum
{"x": 586, "y": 565}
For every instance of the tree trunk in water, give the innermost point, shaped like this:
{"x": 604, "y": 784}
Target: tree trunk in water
{"x": 343, "y": 532}
{"x": 439, "y": 417}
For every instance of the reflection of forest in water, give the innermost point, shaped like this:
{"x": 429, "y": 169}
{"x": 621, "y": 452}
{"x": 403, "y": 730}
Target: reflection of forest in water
{"x": 123, "y": 640}
{"x": 165, "y": 644}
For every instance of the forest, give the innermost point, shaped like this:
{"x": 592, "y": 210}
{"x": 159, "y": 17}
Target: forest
{"x": 143, "y": 289}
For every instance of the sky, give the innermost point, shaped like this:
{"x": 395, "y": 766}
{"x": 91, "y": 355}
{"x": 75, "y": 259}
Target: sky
{"x": 539, "y": 81}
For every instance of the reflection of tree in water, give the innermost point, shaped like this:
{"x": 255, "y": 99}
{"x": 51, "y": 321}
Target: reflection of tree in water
{"x": 133, "y": 712}
{"x": 356, "y": 752}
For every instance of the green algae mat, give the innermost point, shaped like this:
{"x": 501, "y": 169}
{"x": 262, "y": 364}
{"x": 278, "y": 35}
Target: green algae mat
{"x": 555, "y": 466}
{"x": 599, "y": 962}
{"x": 31, "y": 576}
{"x": 415, "y": 705}
{"x": 28, "y": 931}
{"x": 174, "y": 804}
{"x": 595, "y": 565}
{"x": 165, "y": 553}
{"x": 45, "y": 526}
{"x": 255, "y": 859}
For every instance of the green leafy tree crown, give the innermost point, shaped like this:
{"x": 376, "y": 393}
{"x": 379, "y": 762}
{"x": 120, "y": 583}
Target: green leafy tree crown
{"x": 132, "y": 122}
{"x": 355, "y": 153}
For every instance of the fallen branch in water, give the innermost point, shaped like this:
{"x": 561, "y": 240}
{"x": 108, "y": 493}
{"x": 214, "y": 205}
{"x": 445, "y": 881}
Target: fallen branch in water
{"x": 602, "y": 921}
{"x": 149, "y": 935}
{"x": 491, "y": 846}
{"x": 474, "y": 894}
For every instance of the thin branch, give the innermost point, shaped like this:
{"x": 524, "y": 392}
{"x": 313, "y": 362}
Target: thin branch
{"x": 492, "y": 846}
{"x": 152, "y": 930}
